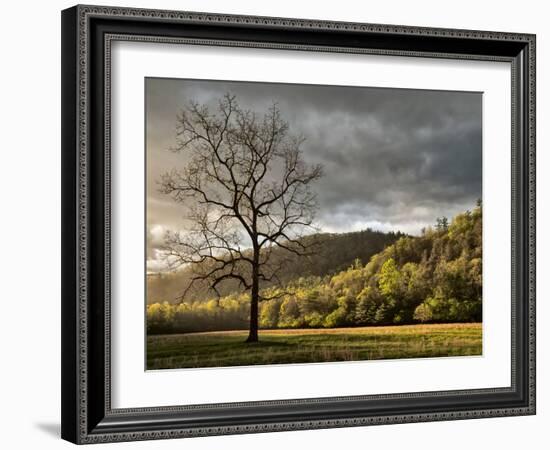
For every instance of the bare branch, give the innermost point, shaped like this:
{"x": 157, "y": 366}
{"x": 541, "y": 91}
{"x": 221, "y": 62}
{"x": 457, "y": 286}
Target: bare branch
{"x": 246, "y": 191}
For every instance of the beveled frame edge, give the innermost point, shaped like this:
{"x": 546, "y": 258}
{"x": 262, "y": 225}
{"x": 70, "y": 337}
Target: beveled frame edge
{"x": 76, "y": 219}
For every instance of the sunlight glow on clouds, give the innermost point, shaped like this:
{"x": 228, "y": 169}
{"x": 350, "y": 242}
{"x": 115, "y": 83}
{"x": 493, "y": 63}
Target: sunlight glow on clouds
{"x": 394, "y": 159}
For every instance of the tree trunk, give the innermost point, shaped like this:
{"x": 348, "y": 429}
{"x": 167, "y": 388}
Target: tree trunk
{"x": 254, "y": 300}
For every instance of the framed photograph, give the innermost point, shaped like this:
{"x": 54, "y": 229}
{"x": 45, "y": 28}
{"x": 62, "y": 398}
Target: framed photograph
{"x": 279, "y": 224}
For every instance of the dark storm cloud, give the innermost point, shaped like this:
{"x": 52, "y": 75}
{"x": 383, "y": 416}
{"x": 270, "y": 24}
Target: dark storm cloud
{"x": 393, "y": 158}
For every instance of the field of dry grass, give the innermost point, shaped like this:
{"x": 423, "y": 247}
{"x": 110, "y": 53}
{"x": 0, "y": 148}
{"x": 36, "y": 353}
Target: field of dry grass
{"x": 227, "y": 348}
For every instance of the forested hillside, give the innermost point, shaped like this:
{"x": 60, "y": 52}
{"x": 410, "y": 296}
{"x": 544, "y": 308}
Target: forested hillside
{"x": 331, "y": 253}
{"x": 435, "y": 277}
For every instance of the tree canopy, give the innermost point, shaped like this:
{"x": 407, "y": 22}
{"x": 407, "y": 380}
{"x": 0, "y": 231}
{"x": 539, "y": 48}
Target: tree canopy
{"x": 432, "y": 278}
{"x": 244, "y": 185}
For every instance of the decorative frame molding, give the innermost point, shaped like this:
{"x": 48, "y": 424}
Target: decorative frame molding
{"x": 87, "y": 34}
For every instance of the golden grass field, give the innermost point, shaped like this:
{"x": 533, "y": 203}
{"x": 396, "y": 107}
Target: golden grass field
{"x": 287, "y": 346}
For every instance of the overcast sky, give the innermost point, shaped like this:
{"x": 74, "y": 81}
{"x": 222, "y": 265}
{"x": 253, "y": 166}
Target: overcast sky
{"x": 394, "y": 159}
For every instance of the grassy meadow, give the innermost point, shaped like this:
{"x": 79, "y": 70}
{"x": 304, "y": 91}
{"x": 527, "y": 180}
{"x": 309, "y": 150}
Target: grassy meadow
{"x": 285, "y": 346}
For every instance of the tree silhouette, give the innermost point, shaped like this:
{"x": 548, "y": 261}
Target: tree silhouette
{"x": 442, "y": 224}
{"x": 246, "y": 190}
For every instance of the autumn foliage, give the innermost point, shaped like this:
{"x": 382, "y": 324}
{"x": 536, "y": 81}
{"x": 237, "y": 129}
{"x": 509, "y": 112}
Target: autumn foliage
{"x": 432, "y": 278}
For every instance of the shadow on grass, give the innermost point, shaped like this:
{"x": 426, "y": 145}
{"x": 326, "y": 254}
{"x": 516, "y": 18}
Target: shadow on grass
{"x": 266, "y": 343}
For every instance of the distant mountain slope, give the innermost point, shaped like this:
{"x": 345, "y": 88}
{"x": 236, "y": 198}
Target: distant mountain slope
{"x": 333, "y": 253}
{"x": 432, "y": 278}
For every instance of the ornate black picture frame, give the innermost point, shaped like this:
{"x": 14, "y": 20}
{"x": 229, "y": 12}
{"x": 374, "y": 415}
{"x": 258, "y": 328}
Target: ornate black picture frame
{"x": 87, "y": 34}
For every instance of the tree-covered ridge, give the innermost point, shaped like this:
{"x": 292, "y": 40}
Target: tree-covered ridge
{"x": 333, "y": 252}
{"x": 435, "y": 277}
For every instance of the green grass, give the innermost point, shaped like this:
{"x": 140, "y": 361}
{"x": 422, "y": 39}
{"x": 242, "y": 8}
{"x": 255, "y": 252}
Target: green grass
{"x": 227, "y": 348}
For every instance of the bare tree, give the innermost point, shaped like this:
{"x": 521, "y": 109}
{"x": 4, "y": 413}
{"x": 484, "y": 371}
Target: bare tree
{"x": 246, "y": 190}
